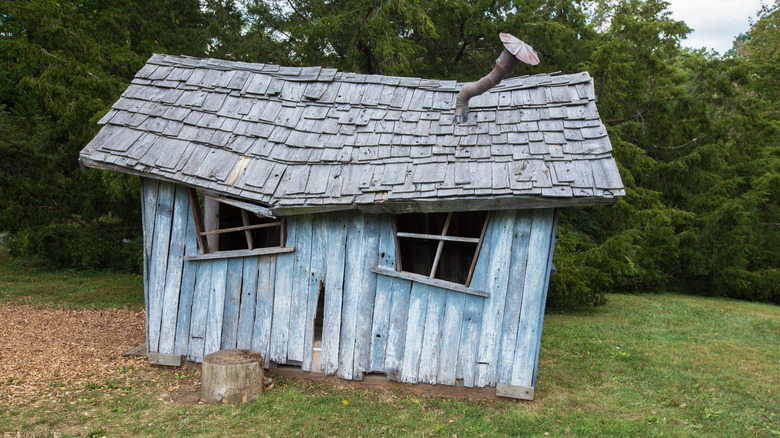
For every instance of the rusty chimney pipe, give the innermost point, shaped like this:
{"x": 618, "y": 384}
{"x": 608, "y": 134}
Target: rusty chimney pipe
{"x": 515, "y": 51}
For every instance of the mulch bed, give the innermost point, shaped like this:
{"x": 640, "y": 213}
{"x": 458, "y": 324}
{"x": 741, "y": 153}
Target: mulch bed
{"x": 47, "y": 350}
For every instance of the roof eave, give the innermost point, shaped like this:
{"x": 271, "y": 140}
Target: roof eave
{"x": 440, "y": 205}
{"x": 399, "y": 206}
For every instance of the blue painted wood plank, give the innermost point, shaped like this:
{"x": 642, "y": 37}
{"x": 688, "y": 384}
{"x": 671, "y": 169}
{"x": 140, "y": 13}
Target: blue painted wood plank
{"x": 173, "y": 274}
{"x": 280, "y": 324}
{"x": 546, "y": 285}
{"x": 352, "y": 277}
{"x": 216, "y": 306}
{"x": 200, "y": 308}
{"x": 493, "y": 310}
{"x": 261, "y": 336}
{"x": 514, "y": 296}
{"x": 187, "y": 288}
{"x": 319, "y": 253}
{"x": 472, "y": 312}
{"x": 450, "y": 340}
{"x": 469, "y": 340}
{"x": 528, "y": 334}
{"x": 182, "y": 337}
{"x": 431, "y": 347}
{"x": 415, "y": 331}
{"x": 246, "y": 312}
{"x": 366, "y": 295}
{"x": 159, "y": 263}
{"x": 300, "y": 290}
{"x": 149, "y": 189}
{"x": 334, "y": 288}
{"x": 396, "y": 334}
{"x": 384, "y": 294}
{"x": 235, "y": 272}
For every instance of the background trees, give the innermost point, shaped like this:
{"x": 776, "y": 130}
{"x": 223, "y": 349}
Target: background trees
{"x": 695, "y": 134}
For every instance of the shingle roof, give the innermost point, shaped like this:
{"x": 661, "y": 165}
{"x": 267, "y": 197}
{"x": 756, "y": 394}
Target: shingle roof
{"x": 314, "y": 138}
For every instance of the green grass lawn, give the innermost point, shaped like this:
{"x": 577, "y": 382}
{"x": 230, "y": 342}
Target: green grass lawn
{"x": 23, "y": 281}
{"x": 641, "y": 365}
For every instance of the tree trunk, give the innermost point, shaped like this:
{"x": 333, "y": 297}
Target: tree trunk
{"x": 232, "y": 376}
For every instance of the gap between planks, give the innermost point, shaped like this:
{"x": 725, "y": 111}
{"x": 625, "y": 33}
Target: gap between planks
{"x": 379, "y": 381}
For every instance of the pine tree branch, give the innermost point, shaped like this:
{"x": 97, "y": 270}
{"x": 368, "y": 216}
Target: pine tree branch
{"x": 482, "y": 66}
{"x": 639, "y": 142}
{"x": 623, "y": 119}
{"x": 45, "y": 52}
{"x": 465, "y": 43}
{"x": 305, "y": 18}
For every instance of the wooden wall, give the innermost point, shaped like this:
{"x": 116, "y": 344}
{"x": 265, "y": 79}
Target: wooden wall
{"x": 372, "y": 323}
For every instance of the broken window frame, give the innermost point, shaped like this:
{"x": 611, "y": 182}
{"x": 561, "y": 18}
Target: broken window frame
{"x": 441, "y": 238}
{"x": 208, "y": 234}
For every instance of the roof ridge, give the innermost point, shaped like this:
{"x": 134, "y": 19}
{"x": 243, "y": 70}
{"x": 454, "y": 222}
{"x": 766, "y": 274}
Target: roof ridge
{"x": 323, "y": 74}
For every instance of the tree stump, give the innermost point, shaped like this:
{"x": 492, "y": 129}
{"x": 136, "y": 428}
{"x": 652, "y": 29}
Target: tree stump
{"x": 232, "y": 376}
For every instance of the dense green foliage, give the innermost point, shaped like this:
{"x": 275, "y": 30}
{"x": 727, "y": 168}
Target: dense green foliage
{"x": 695, "y": 134}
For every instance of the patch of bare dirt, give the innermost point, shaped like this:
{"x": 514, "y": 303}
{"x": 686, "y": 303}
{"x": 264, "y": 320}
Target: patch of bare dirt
{"x": 41, "y": 349}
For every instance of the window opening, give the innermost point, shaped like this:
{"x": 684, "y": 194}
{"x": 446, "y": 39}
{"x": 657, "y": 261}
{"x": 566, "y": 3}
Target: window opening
{"x": 225, "y": 224}
{"x": 440, "y": 245}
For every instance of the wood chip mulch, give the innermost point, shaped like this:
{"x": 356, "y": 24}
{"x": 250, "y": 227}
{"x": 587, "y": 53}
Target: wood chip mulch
{"x": 44, "y": 349}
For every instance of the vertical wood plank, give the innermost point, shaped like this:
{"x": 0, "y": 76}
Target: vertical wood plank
{"x": 533, "y": 294}
{"x": 187, "y": 289}
{"x": 493, "y": 311}
{"x": 396, "y": 334}
{"x": 149, "y": 189}
{"x": 514, "y": 297}
{"x": 211, "y": 221}
{"x": 349, "y": 306}
{"x": 280, "y": 324}
{"x": 544, "y": 294}
{"x": 334, "y": 289}
{"x": 450, "y": 340}
{"x": 431, "y": 347}
{"x": 467, "y": 355}
{"x": 384, "y": 294}
{"x": 319, "y": 252}
{"x": 472, "y": 312}
{"x": 216, "y": 306}
{"x": 366, "y": 294}
{"x": 173, "y": 274}
{"x": 246, "y": 312}
{"x": 415, "y": 330}
{"x": 200, "y": 308}
{"x": 235, "y": 271}
{"x": 300, "y": 289}
{"x": 159, "y": 262}
{"x": 261, "y": 336}
{"x": 197, "y": 219}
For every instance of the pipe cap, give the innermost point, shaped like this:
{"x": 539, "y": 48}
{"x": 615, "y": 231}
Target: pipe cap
{"x": 521, "y": 50}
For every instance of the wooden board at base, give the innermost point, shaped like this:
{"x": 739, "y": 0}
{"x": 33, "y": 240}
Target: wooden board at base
{"x": 170, "y": 360}
{"x": 519, "y": 392}
{"x": 379, "y": 381}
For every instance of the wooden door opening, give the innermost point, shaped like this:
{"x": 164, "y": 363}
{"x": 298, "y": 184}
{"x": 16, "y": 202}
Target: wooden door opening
{"x": 316, "y": 363}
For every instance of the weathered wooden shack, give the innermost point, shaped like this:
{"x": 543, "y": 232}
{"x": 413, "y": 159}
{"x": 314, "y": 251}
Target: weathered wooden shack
{"x": 342, "y": 223}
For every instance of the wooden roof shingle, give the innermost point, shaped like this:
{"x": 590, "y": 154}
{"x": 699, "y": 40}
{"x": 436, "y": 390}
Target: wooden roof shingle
{"x": 317, "y": 139}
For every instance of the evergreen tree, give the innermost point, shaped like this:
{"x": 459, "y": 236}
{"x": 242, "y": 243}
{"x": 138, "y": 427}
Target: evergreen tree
{"x": 62, "y": 65}
{"x": 695, "y": 134}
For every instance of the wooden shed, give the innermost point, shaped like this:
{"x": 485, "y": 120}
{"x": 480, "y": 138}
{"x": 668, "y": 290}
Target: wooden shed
{"x": 343, "y": 223}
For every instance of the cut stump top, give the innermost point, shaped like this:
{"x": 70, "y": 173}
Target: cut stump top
{"x": 233, "y": 357}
